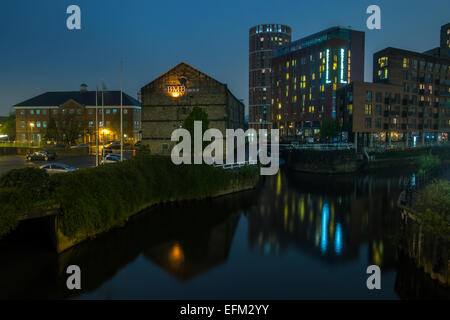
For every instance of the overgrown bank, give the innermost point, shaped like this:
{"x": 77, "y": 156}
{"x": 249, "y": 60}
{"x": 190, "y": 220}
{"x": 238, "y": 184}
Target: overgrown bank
{"x": 95, "y": 200}
{"x": 426, "y": 228}
{"x": 409, "y": 156}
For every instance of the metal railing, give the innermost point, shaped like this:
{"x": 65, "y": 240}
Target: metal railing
{"x": 413, "y": 187}
{"x": 236, "y": 165}
{"x": 322, "y": 146}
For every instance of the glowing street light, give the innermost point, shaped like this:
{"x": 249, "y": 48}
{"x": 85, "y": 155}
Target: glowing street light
{"x": 32, "y": 126}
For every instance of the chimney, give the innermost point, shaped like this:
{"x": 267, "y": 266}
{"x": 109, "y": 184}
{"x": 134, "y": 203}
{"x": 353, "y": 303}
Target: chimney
{"x": 83, "y": 88}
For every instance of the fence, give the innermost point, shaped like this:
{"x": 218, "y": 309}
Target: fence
{"x": 237, "y": 165}
{"x": 413, "y": 186}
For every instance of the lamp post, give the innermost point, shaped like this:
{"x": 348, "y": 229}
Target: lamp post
{"x": 96, "y": 125}
{"x": 121, "y": 113}
{"x": 103, "y": 121}
{"x": 32, "y": 126}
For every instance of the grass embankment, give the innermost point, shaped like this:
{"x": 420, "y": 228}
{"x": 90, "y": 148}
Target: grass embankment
{"x": 442, "y": 152}
{"x": 433, "y": 209}
{"x": 97, "y": 199}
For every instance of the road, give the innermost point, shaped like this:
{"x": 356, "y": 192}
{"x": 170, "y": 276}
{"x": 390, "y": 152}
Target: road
{"x": 18, "y": 161}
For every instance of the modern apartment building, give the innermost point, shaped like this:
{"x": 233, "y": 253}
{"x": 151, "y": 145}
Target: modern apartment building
{"x": 306, "y": 75}
{"x": 67, "y": 109}
{"x": 264, "y": 39}
{"x": 408, "y": 101}
{"x": 445, "y": 40}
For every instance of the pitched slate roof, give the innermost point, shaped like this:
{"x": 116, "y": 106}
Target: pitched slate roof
{"x": 180, "y": 66}
{"x": 50, "y": 99}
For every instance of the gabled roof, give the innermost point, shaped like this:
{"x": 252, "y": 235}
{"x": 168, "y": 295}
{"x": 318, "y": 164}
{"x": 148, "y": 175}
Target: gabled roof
{"x": 51, "y": 99}
{"x": 180, "y": 65}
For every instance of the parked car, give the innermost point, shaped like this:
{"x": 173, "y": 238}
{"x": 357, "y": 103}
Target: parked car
{"x": 41, "y": 155}
{"x": 116, "y": 146}
{"x": 80, "y": 146}
{"x": 57, "y": 168}
{"x": 112, "y": 158}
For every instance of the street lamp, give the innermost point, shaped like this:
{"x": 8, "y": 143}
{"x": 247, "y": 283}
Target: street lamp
{"x": 32, "y": 126}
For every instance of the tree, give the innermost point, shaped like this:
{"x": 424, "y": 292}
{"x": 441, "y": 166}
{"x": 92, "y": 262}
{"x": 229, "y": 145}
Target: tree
{"x": 9, "y": 127}
{"x": 330, "y": 129}
{"x": 197, "y": 114}
{"x": 66, "y": 128}
{"x": 71, "y": 128}
{"x": 52, "y": 133}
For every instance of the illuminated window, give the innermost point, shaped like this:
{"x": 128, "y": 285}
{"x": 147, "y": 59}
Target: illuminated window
{"x": 405, "y": 63}
{"x": 368, "y": 109}
{"x": 287, "y": 76}
{"x": 313, "y": 76}
{"x": 350, "y": 108}
{"x": 383, "y": 62}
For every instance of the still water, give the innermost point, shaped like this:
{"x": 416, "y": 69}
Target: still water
{"x": 297, "y": 236}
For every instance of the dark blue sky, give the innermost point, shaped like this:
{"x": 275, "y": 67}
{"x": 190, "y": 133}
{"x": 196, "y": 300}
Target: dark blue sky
{"x": 38, "y": 53}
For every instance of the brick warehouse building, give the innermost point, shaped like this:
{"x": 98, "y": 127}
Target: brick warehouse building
{"x": 306, "y": 75}
{"x": 409, "y": 100}
{"x": 33, "y": 116}
{"x": 168, "y": 100}
{"x": 263, "y": 39}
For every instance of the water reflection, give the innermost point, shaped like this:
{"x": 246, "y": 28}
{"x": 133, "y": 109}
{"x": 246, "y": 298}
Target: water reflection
{"x": 327, "y": 217}
{"x": 334, "y": 221}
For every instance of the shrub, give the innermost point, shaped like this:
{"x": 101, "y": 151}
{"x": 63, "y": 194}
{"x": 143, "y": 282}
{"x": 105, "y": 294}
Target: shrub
{"x": 100, "y": 198}
{"x": 21, "y": 190}
{"x": 433, "y": 208}
{"x": 427, "y": 162}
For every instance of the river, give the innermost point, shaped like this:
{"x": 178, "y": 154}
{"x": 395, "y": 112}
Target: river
{"x": 296, "y": 236}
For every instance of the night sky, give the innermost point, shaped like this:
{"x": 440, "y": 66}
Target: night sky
{"x": 38, "y": 53}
